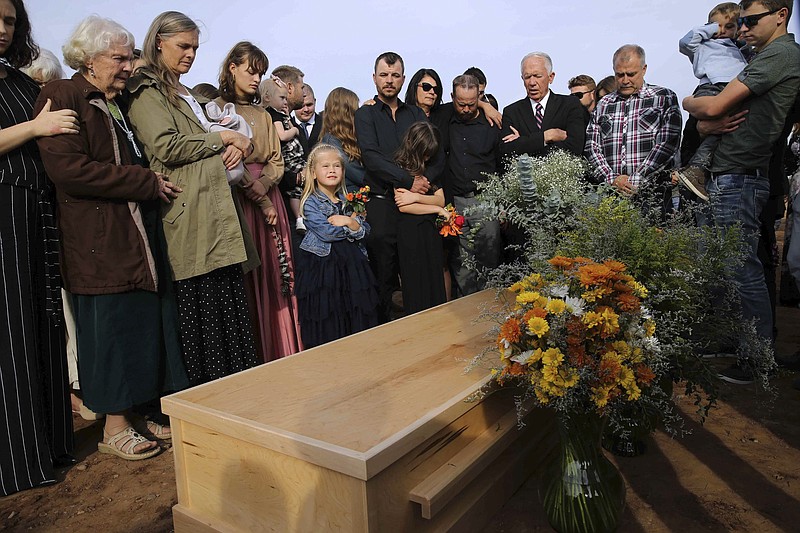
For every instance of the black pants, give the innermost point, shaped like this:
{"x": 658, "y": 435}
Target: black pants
{"x": 383, "y": 217}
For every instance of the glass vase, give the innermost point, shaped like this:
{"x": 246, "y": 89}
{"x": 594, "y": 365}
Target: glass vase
{"x": 582, "y": 491}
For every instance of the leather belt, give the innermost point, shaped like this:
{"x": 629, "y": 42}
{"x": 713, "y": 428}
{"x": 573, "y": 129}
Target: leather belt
{"x": 740, "y": 171}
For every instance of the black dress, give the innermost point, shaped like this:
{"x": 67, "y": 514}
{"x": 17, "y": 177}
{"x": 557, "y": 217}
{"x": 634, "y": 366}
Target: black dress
{"x": 336, "y": 294}
{"x": 421, "y": 255}
{"x": 34, "y": 410}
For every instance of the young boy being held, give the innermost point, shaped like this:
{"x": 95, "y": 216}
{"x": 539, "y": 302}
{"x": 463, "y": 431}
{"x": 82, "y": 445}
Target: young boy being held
{"x": 275, "y": 97}
{"x": 716, "y": 60}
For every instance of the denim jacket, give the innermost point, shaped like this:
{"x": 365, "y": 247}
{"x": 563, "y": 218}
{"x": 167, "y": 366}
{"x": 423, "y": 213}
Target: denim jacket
{"x": 322, "y": 233}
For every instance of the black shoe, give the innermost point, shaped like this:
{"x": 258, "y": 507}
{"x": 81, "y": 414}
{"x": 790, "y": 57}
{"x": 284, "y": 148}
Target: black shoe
{"x": 736, "y": 375}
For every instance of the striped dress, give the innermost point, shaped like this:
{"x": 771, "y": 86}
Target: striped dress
{"x": 35, "y": 418}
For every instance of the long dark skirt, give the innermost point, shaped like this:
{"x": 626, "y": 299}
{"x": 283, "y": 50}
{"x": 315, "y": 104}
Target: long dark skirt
{"x": 420, "y": 249}
{"x": 128, "y": 349}
{"x": 216, "y": 334}
{"x": 35, "y": 412}
{"x": 336, "y": 294}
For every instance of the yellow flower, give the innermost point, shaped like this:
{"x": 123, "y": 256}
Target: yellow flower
{"x": 591, "y": 319}
{"x": 527, "y": 297}
{"x": 610, "y": 321}
{"x": 556, "y": 306}
{"x": 595, "y": 294}
{"x": 600, "y": 395}
{"x": 538, "y": 326}
{"x": 552, "y": 356}
{"x": 639, "y": 289}
{"x": 622, "y": 348}
{"x": 541, "y": 396}
{"x": 649, "y": 328}
{"x": 536, "y": 356}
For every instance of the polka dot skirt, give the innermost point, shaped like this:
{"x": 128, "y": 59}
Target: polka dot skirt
{"x": 216, "y": 334}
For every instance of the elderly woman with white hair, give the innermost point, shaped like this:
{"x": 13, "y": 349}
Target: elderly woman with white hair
{"x": 112, "y": 246}
{"x": 45, "y": 68}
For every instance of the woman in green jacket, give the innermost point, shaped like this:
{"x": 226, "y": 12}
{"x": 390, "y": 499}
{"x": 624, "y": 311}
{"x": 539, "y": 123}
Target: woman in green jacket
{"x": 205, "y": 242}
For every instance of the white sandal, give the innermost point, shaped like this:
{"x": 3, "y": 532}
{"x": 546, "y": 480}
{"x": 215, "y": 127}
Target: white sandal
{"x": 152, "y": 430}
{"x": 124, "y": 443}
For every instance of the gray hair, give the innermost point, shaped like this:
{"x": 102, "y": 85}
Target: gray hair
{"x": 627, "y": 51}
{"x": 94, "y": 35}
{"x": 548, "y": 63}
{"x": 466, "y": 82}
{"x": 45, "y": 68}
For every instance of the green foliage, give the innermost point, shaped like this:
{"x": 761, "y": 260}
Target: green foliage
{"x": 681, "y": 264}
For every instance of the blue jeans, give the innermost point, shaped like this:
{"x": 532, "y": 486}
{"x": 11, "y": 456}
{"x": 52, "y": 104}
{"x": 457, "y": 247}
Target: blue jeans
{"x": 739, "y": 198}
{"x": 793, "y": 253}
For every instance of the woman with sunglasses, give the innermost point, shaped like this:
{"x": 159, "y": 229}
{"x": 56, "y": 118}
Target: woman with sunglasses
{"x": 425, "y": 90}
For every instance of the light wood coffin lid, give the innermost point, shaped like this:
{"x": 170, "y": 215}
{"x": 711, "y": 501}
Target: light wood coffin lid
{"x": 358, "y": 404}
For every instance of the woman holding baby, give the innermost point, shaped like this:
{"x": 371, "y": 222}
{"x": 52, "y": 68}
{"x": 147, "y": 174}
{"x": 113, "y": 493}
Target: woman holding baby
{"x": 206, "y": 240}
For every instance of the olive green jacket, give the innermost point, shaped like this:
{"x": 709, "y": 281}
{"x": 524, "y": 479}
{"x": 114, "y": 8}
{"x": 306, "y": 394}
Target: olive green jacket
{"x": 202, "y": 227}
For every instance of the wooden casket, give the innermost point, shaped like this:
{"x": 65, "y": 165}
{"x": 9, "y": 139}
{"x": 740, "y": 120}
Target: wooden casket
{"x": 368, "y": 433}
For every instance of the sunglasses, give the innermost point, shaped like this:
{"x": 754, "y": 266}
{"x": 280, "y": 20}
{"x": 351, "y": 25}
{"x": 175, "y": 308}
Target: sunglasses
{"x": 428, "y": 87}
{"x": 752, "y": 20}
{"x": 579, "y": 94}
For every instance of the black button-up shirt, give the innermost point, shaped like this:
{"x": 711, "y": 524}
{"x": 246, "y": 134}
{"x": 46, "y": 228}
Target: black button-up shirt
{"x": 472, "y": 148}
{"x": 379, "y": 136}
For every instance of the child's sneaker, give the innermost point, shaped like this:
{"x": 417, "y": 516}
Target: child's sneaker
{"x": 694, "y": 178}
{"x": 300, "y": 226}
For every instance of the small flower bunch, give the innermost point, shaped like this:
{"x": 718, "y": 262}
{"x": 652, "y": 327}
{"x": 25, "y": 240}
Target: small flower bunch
{"x": 450, "y": 225}
{"x": 356, "y": 202}
{"x": 578, "y": 337}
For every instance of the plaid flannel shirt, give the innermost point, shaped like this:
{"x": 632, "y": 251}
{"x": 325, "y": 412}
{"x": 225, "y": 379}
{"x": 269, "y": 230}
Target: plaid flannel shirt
{"x": 635, "y": 136}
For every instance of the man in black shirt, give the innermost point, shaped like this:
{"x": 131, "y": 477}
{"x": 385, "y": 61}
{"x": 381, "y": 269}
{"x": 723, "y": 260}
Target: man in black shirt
{"x": 472, "y": 149}
{"x": 380, "y": 129}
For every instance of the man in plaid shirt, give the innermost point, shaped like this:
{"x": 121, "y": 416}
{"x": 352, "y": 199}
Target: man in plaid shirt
{"x": 635, "y": 131}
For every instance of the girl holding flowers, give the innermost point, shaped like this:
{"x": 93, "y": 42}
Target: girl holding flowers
{"x": 335, "y": 287}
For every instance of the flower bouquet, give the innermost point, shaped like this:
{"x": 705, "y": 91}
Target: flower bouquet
{"x": 579, "y": 339}
{"x": 450, "y": 225}
{"x": 356, "y": 202}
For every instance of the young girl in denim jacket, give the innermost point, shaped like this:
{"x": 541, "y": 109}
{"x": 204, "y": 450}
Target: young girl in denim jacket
{"x": 335, "y": 286}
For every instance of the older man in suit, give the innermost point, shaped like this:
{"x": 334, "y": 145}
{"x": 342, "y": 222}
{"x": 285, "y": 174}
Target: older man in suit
{"x": 542, "y": 120}
{"x": 308, "y": 121}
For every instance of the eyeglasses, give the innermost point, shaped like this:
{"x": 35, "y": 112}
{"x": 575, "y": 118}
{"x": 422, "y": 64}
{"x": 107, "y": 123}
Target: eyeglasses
{"x": 751, "y": 21}
{"x": 428, "y": 87}
{"x": 580, "y": 94}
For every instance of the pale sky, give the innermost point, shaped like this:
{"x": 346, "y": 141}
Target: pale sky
{"x": 335, "y": 43}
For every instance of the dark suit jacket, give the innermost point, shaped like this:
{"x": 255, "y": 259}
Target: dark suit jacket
{"x": 564, "y": 112}
{"x": 308, "y": 142}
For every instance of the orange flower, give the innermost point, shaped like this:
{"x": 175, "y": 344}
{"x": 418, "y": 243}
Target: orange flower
{"x": 516, "y": 369}
{"x": 644, "y": 375}
{"x": 537, "y": 312}
{"x": 610, "y": 368}
{"x": 616, "y": 266}
{"x": 628, "y": 302}
{"x": 594, "y": 274}
{"x": 349, "y": 197}
{"x": 577, "y": 356}
{"x": 559, "y": 261}
{"x": 511, "y": 330}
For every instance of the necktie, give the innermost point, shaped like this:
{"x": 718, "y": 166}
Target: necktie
{"x": 307, "y": 129}
{"x": 539, "y": 115}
